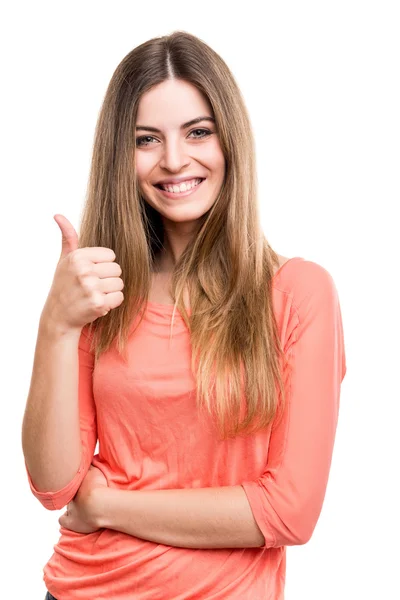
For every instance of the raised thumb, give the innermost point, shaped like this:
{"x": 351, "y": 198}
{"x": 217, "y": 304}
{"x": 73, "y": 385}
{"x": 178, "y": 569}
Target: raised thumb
{"x": 69, "y": 240}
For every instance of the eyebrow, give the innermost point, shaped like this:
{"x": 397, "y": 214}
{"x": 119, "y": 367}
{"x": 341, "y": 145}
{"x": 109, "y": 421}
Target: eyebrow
{"x": 184, "y": 126}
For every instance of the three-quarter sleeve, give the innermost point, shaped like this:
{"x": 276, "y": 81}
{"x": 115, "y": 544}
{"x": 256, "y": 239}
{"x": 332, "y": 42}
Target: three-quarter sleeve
{"x": 56, "y": 500}
{"x": 287, "y": 498}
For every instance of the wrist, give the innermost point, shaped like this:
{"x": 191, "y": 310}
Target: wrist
{"x": 51, "y": 328}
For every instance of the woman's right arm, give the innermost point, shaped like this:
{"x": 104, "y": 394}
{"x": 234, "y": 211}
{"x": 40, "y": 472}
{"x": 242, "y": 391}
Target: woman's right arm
{"x": 59, "y": 431}
{"x": 51, "y": 439}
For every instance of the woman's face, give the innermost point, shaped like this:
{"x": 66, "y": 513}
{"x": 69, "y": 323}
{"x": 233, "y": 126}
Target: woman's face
{"x": 178, "y": 151}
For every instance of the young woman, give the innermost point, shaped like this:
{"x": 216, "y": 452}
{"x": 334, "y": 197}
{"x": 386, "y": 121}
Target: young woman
{"x": 211, "y": 382}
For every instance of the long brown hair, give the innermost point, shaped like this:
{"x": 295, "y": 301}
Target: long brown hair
{"x": 228, "y": 266}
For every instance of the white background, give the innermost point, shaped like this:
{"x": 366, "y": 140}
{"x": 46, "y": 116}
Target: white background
{"x": 321, "y": 82}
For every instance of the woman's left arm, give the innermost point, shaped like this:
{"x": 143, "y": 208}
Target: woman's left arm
{"x": 287, "y": 498}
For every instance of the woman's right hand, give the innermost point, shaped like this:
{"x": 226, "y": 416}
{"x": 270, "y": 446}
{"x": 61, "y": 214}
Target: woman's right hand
{"x": 86, "y": 283}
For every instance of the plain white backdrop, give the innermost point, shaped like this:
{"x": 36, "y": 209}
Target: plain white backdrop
{"x": 321, "y": 83}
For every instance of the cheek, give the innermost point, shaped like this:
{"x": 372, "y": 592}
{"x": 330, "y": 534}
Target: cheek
{"x": 214, "y": 158}
{"x": 143, "y": 166}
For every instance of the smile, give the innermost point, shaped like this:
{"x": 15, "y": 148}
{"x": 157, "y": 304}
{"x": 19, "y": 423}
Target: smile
{"x": 178, "y": 194}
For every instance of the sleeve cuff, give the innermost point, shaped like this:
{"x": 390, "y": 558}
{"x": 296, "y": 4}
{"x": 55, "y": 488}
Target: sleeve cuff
{"x": 57, "y": 499}
{"x": 253, "y": 494}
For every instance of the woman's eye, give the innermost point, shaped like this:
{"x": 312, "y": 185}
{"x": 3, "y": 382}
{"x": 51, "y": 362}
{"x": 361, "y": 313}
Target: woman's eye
{"x": 140, "y": 141}
{"x": 205, "y": 131}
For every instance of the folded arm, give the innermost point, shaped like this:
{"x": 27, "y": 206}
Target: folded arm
{"x": 218, "y": 517}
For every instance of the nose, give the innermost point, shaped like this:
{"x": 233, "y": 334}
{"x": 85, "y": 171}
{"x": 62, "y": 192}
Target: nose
{"x": 174, "y": 157}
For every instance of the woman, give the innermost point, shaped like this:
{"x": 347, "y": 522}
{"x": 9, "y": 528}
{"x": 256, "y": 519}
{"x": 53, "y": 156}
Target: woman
{"x": 212, "y": 382}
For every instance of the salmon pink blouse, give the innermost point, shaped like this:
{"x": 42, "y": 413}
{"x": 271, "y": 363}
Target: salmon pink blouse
{"x": 143, "y": 415}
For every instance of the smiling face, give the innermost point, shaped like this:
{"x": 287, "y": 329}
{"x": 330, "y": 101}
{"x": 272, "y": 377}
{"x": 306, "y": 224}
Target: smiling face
{"x": 178, "y": 150}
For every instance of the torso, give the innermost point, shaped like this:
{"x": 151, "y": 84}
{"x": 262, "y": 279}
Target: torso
{"x": 159, "y": 292}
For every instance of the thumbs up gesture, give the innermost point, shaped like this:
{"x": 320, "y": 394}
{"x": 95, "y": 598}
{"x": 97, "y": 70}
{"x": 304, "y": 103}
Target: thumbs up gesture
{"x": 86, "y": 283}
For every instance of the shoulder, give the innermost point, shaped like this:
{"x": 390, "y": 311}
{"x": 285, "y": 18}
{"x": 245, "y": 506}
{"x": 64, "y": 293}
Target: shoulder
{"x": 305, "y": 280}
{"x": 308, "y": 310}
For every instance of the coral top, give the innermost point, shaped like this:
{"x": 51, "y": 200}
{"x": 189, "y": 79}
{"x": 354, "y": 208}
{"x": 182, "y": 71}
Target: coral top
{"x": 145, "y": 418}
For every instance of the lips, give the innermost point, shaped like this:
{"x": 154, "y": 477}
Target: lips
{"x": 177, "y": 195}
{"x": 159, "y": 185}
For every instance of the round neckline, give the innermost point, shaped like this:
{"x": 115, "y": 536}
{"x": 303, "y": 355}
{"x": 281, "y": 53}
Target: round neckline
{"x": 159, "y": 305}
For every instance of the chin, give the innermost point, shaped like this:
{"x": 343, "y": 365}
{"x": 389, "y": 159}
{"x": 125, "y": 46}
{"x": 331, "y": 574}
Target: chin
{"x": 183, "y": 214}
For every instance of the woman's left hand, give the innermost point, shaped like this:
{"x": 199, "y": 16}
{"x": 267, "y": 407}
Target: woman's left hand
{"x": 80, "y": 515}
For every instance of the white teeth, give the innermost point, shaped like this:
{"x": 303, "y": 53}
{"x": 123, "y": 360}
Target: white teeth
{"x": 183, "y": 187}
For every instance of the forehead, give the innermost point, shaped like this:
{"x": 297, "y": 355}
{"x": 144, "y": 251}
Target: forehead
{"x": 171, "y": 103}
